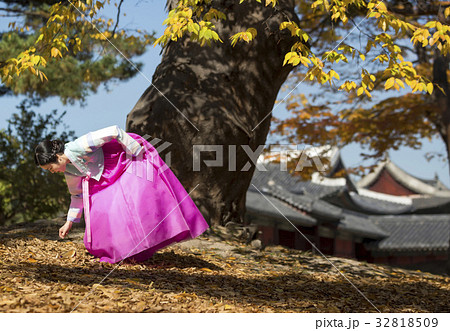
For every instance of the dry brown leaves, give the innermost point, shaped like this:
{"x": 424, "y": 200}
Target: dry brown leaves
{"x": 39, "y": 273}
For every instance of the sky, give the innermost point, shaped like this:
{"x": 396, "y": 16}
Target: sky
{"x": 110, "y": 108}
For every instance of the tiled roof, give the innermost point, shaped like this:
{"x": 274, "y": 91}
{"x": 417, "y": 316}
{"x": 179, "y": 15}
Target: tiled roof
{"x": 308, "y": 203}
{"x": 289, "y": 182}
{"x": 316, "y": 190}
{"x": 361, "y": 226}
{"x": 256, "y": 203}
{"x": 435, "y": 182}
{"x": 299, "y": 201}
{"x": 274, "y": 174}
{"x": 367, "y": 205}
{"x": 431, "y": 205}
{"x": 413, "y": 233}
{"x": 292, "y": 205}
{"x": 312, "y": 205}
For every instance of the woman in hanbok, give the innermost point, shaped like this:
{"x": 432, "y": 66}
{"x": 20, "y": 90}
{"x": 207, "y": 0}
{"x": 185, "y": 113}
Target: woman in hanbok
{"x": 133, "y": 204}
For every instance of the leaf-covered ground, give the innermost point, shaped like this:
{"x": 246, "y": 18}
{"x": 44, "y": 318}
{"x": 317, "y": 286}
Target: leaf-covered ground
{"x": 40, "y": 273}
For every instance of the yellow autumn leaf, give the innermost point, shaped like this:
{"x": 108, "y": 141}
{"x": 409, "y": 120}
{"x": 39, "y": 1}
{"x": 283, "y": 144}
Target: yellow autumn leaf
{"x": 381, "y": 7}
{"x": 334, "y": 74}
{"x": 399, "y": 82}
{"x": 55, "y": 52}
{"x": 389, "y": 83}
{"x": 253, "y": 32}
{"x": 42, "y": 76}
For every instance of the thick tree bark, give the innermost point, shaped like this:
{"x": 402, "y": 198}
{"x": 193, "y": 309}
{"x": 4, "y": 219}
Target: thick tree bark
{"x": 224, "y": 92}
{"x": 440, "y": 69}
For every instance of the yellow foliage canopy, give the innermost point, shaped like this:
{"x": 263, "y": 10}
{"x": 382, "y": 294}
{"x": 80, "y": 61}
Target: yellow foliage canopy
{"x": 196, "y": 18}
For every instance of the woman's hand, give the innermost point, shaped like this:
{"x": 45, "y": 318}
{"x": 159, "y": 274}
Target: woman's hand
{"x": 64, "y": 230}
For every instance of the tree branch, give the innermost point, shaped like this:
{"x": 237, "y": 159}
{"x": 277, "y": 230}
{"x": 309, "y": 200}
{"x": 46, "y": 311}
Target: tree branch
{"x": 118, "y": 17}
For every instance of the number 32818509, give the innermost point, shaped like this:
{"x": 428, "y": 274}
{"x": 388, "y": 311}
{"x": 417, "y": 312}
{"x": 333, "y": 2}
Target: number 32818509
{"x": 407, "y": 322}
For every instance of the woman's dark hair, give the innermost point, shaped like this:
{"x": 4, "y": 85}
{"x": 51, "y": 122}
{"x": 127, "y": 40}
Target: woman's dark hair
{"x": 46, "y": 152}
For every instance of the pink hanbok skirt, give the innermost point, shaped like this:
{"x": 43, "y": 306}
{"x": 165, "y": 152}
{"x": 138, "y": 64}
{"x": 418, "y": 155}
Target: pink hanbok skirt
{"x": 138, "y": 206}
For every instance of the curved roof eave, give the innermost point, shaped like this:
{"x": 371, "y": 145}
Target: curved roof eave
{"x": 370, "y": 178}
{"x": 412, "y": 183}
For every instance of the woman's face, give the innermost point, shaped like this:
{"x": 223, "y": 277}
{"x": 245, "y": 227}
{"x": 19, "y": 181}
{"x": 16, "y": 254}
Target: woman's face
{"x": 57, "y": 166}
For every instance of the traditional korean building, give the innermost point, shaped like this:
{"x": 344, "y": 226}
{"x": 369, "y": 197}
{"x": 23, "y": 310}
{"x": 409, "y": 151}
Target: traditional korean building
{"x": 341, "y": 218}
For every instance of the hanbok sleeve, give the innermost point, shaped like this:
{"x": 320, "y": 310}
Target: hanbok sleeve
{"x": 93, "y": 140}
{"x": 76, "y": 197}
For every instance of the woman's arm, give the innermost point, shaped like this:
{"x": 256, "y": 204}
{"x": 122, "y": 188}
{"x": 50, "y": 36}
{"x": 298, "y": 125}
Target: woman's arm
{"x": 86, "y": 154}
{"x": 96, "y": 139}
{"x": 76, "y": 197}
{"x": 76, "y": 203}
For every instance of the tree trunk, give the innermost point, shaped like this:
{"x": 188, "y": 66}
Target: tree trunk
{"x": 223, "y": 94}
{"x": 440, "y": 69}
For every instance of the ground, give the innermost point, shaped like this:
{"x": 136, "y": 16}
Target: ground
{"x": 41, "y": 273}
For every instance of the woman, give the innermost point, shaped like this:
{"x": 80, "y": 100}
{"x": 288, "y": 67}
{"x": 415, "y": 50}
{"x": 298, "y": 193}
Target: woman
{"x": 133, "y": 203}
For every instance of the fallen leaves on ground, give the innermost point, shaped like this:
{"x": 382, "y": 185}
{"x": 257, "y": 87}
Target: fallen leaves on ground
{"x": 39, "y": 273}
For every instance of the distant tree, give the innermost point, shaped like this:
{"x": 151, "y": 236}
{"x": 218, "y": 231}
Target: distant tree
{"x": 27, "y": 192}
{"x": 50, "y": 50}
